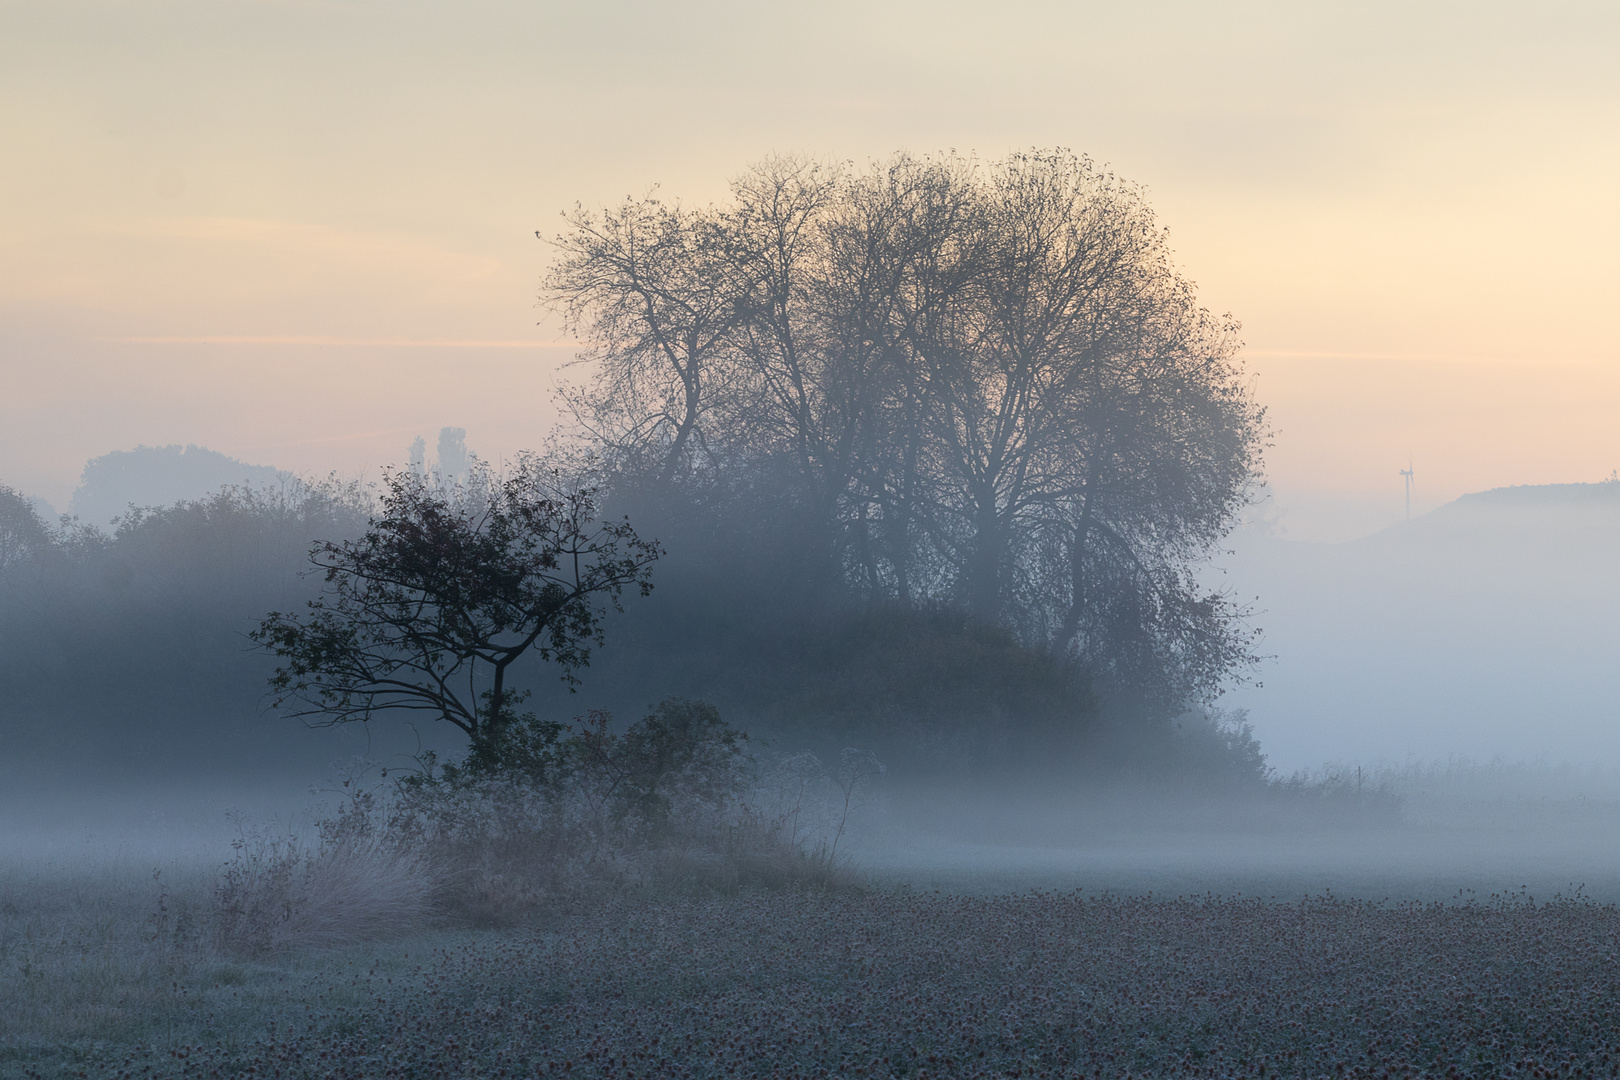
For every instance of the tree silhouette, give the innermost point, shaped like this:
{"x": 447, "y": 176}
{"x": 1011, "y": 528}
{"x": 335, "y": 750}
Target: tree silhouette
{"x": 985, "y": 385}
{"x": 447, "y": 589}
{"x": 23, "y": 533}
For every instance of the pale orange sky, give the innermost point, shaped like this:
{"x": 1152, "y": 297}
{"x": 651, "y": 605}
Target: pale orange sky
{"x": 1410, "y": 208}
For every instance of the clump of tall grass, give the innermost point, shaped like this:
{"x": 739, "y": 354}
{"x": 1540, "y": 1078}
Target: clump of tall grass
{"x": 278, "y": 892}
{"x": 1336, "y": 794}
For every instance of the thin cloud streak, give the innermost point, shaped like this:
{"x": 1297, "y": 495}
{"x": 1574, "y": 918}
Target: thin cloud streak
{"x": 239, "y": 339}
{"x": 1420, "y": 357}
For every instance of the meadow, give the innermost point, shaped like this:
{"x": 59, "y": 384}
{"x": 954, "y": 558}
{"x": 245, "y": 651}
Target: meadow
{"x": 925, "y": 956}
{"x": 861, "y": 982}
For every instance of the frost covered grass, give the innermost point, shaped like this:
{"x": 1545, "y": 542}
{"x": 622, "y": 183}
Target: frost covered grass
{"x": 97, "y": 959}
{"x": 515, "y": 937}
{"x": 97, "y": 950}
{"x": 897, "y": 983}
{"x": 103, "y": 955}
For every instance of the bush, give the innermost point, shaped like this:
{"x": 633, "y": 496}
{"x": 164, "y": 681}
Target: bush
{"x": 541, "y": 816}
{"x": 1340, "y": 795}
{"x": 938, "y": 696}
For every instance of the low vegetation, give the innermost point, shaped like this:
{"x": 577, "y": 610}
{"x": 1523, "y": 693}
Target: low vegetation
{"x": 890, "y": 983}
{"x": 541, "y": 818}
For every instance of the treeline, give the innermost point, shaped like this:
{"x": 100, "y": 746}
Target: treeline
{"x": 125, "y": 651}
{"x": 936, "y": 450}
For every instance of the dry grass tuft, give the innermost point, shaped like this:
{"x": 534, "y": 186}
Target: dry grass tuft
{"x": 276, "y": 894}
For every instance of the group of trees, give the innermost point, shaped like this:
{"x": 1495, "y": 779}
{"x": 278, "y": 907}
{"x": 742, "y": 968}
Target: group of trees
{"x": 123, "y": 648}
{"x": 985, "y": 386}
{"x": 981, "y": 389}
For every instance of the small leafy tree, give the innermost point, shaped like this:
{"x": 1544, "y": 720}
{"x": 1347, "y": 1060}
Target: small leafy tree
{"x": 447, "y": 589}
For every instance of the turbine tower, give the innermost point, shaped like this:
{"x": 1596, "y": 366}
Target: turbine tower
{"x": 1407, "y": 475}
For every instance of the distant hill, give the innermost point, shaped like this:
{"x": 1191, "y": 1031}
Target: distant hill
{"x": 159, "y": 476}
{"x": 1605, "y": 493}
{"x": 1524, "y": 537}
{"x": 1535, "y": 507}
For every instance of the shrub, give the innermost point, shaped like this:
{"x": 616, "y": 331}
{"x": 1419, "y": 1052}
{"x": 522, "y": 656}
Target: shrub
{"x": 541, "y": 813}
{"x": 542, "y": 816}
{"x": 1341, "y": 795}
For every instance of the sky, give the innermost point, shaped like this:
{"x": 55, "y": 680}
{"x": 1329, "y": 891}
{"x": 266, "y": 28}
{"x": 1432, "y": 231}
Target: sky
{"x": 302, "y": 232}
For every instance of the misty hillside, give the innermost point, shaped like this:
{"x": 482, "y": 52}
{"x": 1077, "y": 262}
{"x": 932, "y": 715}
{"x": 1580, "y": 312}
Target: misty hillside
{"x": 160, "y": 476}
{"x": 1484, "y": 628}
{"x": 1546, "y": 524}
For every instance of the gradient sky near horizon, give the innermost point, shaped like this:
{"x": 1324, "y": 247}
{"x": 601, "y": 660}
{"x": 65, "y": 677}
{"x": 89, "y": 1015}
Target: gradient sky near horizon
{"x": 301, "y": 232}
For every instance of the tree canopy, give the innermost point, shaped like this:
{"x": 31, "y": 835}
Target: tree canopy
{"x": 24, "y": 535}
{"x": 987, "y": 385}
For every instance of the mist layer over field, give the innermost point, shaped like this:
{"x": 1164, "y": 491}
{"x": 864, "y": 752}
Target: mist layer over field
{"x": 1435, "y": 715}
{"x": 1484, "y": 629}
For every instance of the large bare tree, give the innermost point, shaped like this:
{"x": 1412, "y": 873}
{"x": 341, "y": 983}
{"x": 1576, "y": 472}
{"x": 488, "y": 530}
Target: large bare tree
{"x": 653, "y": 287}
{"x": 993, "y": 384}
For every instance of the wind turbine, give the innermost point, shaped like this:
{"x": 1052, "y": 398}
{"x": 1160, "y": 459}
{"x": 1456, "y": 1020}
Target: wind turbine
{"x": 1407, "y": 475}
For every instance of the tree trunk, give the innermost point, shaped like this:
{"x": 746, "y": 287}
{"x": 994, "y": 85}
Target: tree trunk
{"x": 984, "y": 560}
{"x": 1077, "y": 563}
{"x": 497, "y": 701}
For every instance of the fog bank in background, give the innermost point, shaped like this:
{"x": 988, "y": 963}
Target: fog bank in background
{"x": 1484, "y": 628}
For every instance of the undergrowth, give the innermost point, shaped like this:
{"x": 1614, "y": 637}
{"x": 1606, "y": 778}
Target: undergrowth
{"x": 539, "y": 818}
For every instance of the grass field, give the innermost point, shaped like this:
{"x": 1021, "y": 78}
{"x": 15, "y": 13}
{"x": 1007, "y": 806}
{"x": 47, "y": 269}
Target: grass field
{"x": 945, "y": 958}
{"x": 890, "y": 983}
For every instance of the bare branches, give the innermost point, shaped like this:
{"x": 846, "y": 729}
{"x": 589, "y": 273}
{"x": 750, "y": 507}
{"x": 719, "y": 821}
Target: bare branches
{"x": 653, "y": 286}
{"x": 979, "y": 375}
